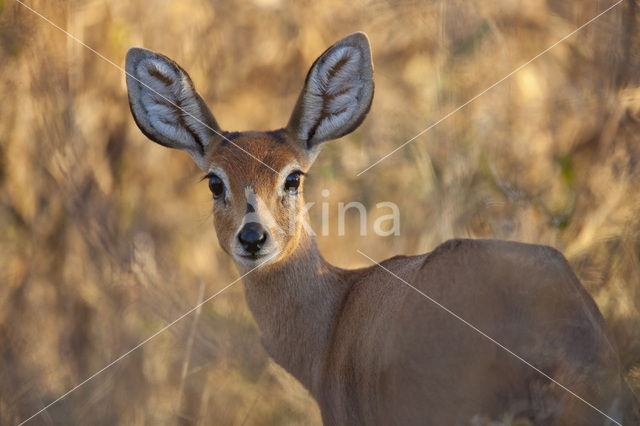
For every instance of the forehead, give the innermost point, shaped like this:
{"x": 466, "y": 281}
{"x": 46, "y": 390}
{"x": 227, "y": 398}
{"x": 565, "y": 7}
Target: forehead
{"x": 253, "y": 155}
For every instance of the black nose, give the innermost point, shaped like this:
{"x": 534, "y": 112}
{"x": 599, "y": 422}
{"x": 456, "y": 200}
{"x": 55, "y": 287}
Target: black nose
{"x": 252, "y": 237}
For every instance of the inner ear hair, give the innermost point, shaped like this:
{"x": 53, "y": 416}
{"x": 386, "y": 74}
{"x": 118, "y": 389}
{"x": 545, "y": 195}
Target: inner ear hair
{"x": 166, "y": 106}
{"x": 337, "y": 93}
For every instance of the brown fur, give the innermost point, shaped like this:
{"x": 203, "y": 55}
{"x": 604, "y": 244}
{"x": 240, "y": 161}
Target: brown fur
{"x": 371, "y": 350}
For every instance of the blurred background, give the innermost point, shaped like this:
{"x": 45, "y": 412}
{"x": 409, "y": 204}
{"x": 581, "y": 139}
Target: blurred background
{"x": 106, "y": 237}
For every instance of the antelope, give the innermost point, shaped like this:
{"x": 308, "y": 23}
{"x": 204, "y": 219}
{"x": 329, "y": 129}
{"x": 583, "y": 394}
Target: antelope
{"x": 370, "y": 349}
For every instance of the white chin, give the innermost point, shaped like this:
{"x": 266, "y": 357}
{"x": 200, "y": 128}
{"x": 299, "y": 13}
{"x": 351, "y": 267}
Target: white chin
{"x": 253, "y": 260}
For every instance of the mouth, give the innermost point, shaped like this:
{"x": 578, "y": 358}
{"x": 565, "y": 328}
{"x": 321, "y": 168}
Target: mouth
{"x": 251, "y": 258}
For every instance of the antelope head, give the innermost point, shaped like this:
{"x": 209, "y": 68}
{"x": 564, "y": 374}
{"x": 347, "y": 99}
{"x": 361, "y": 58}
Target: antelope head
{"x": 255, "y": 177}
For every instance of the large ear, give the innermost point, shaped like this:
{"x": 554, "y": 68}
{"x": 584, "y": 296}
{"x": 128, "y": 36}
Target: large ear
{"x": 337, "y": 93}
{"x": 166, "y": 106}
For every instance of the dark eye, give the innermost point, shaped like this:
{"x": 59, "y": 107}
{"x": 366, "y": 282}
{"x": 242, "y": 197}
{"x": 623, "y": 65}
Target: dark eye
{"x": 216, "y": 186}
{"x": 292, "y": 182}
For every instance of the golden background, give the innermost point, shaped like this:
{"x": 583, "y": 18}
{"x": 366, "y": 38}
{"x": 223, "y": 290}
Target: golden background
{"x": 106, "y": 237}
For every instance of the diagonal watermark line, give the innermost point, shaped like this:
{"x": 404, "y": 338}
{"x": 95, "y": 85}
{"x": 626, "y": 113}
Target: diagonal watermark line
{"x": 145, "y": 341}
{"x": 100, "y": 55}
{"x": 247, "y": 273}
{"x": 490, "y": 87}
{"x": 485, "y": 335}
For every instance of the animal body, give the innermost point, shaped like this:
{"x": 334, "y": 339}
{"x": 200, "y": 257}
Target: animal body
{"x": 371, "y": 349}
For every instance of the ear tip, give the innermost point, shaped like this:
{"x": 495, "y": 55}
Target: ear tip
{"x": 360, "y": 35}
{"x": 137, "y": 54}
{"x": 359, "y": 39}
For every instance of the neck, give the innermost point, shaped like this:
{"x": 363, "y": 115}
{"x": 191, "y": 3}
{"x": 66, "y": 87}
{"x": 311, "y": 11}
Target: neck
{"x": 294, "y": 303}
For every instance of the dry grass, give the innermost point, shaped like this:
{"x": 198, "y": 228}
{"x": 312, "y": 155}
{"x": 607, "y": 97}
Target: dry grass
{"x": 107, "y": 237}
